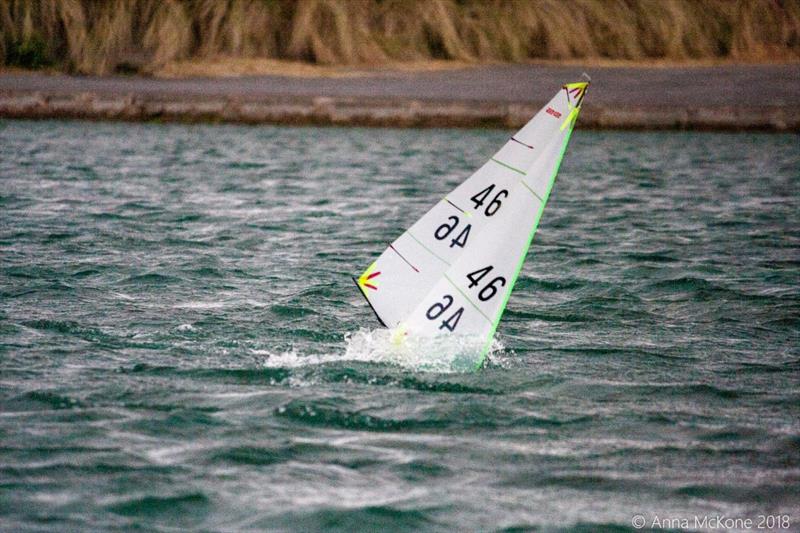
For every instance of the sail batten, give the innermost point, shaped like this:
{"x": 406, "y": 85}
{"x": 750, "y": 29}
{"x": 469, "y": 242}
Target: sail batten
{"x": 452, "y": 272}
{"x": 434, "y": 254}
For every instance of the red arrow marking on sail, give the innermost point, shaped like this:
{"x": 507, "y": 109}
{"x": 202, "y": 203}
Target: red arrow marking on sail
{"x": 370, "y": 285}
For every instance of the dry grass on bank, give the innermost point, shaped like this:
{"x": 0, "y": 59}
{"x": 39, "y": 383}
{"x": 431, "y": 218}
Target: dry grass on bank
{"x": 170, "y": 36}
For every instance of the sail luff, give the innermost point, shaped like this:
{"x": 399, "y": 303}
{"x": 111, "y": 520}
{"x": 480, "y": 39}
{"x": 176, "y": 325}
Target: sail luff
{"x": 524, "y": 253}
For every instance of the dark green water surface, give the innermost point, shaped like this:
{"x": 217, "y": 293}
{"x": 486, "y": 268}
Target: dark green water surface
{"x": 174, "y": 302}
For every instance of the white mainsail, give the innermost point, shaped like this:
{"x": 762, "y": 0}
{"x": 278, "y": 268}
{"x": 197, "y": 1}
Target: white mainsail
{"x": 452, "y": 272}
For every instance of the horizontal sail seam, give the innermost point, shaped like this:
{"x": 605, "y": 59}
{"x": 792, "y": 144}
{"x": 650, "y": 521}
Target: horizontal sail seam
{"x": 489, "y": 320}
{"x": 509, "y": 167}
{"x": 434, "y": 254}
{"x": 532, "y": 191}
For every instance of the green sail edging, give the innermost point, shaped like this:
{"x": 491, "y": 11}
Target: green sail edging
{"x": 524, "y": 255}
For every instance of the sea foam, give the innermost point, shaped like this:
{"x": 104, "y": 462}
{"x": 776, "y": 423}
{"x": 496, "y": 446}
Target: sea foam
{"x": 385, "y": 346}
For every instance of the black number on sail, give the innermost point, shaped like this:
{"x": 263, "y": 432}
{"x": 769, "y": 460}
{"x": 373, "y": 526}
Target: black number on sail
{"x": 476, "y": 277}
{"x": 451, "y": 323}
{"x": 494, "y": 205}
{"x": 461, "y": 240}
{"x": 443, "y": 231}
{"x": 438, "y": 308}
{"x": 479, "y": 198}
{"x": 446, "y": 229}
{"x": 487, "y": 292}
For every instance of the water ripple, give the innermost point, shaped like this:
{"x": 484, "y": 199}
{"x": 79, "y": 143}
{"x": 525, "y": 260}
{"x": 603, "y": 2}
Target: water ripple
{"x": 181, "y": 346}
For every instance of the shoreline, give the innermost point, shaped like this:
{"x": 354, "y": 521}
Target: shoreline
{"x": 713, "y": 98}
{"x": 375, "y": 112}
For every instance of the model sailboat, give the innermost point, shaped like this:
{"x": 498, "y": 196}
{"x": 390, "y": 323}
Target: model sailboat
{"x": 452, "y": 272}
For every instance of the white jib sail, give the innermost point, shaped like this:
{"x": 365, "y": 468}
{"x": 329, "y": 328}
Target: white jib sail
{"x": 452, "y": 272}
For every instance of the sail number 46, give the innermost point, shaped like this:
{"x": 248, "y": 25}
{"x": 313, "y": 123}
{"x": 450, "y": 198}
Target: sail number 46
{"x": 487, "y": 292}
{"x": 439, "y": 308}
{"x": 494, "y": 205}
{"x": 444, "y": 231}
{"x": 491, "y": 288}
{"x": 449, "y": 227}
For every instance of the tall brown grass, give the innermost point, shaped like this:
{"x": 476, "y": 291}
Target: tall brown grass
{"x": 105, "y": 36}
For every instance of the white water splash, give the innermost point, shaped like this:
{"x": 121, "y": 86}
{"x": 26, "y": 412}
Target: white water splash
{"x": 428, "y": 354}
